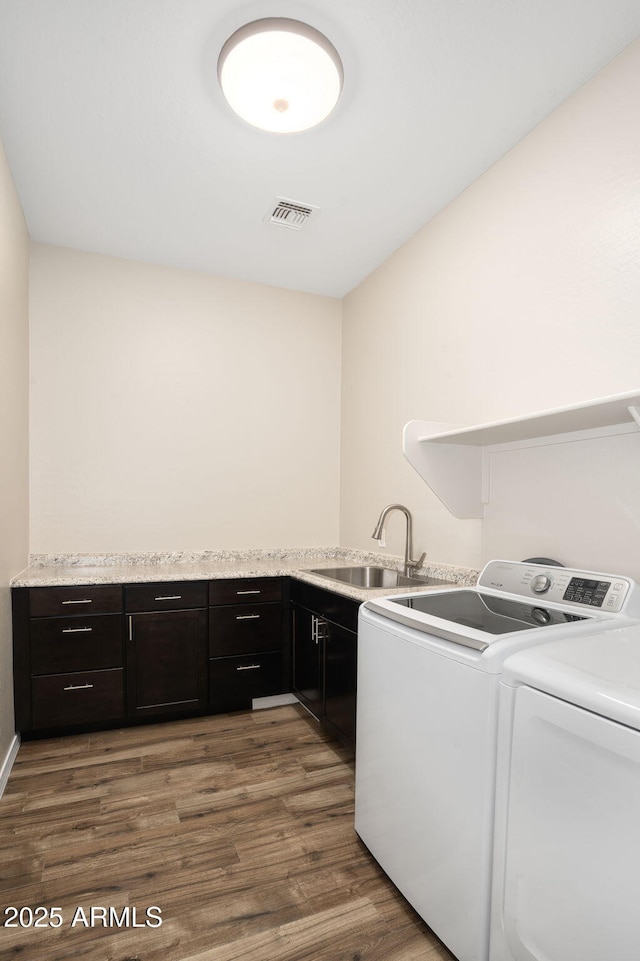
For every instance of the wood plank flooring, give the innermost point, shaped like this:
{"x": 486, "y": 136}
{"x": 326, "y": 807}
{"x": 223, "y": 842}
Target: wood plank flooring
{"x": 238, "y": 827}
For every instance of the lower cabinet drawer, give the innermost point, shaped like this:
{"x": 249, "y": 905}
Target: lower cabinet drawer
{"x": 235, "y": 681}
{"x": 65, "y": 644}
{"x": 78, "y": 698}
{"x": 52, "y": 601}
{"x": 165, "y": 596}
{"x": 245, "y": 590}
{"x": 244, "y": 629}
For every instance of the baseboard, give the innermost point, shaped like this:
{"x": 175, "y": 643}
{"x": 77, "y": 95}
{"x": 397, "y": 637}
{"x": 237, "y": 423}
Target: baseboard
{"x": 275, "y": 700}
{"x": 7, "y": 764}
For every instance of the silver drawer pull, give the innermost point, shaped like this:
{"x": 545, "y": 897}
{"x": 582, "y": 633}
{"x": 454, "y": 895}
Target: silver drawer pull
{"x": 87, "y": 600}
{"x": 78, "y": 687}
{"x": 77, "y": 630}
{"x": 248, "y": 592}
{"x": 248, "y": 667}
{"x": 169, "y": 597}
{"x": 247, "y": 617}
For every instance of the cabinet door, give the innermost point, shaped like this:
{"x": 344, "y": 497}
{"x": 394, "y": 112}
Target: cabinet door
{"x": 166, "y": 662}
{"x": 307, "y": 659}
{"x": 341, "y": 646}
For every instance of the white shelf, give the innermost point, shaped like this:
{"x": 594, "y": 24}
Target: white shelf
{"x": 450, "y": 458}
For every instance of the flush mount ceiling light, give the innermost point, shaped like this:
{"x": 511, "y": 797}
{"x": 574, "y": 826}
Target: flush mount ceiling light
{"x": 280, "y": 75}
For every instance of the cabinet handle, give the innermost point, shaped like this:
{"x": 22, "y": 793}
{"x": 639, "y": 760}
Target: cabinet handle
{"x": 248, "y": 592}
{"x": 247, "y": 617}
{"x": 78, "y": 687}
{"x": 87, "y": 600}
{"x": 315, "y": 629}
{"x": 130, "y": 627}
{"x": 248, "y": 667}
{"x": 77, "y": 630}
{"x": 169, "y": 597}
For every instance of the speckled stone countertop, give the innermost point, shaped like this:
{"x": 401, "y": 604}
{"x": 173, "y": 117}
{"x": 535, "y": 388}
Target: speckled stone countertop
{"x": 64, "y": 570}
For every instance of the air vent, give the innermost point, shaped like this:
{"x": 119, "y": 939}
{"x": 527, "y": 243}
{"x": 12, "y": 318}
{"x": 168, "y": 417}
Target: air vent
{"x": 290, "y": 213}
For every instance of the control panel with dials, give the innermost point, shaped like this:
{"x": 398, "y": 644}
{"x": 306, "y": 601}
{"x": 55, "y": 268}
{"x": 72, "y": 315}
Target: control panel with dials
{"x": 559, "y": 585}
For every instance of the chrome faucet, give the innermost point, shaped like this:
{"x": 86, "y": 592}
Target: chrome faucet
{"x": 409, "y": 564}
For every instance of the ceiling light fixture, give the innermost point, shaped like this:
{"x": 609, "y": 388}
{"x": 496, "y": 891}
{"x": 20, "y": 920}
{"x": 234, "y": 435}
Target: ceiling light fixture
{"x": 280, "y": 75}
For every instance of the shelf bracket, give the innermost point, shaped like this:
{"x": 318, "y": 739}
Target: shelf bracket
{"x": 454, "y": 472}
{"x": 635, "y": 413}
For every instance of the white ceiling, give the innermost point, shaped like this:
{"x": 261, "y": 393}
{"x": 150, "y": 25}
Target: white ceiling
{"x": 120, "y": 141}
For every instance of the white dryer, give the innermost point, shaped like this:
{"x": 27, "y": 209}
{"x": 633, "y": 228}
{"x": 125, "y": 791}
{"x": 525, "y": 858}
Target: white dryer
{"x": 567, "y": 831}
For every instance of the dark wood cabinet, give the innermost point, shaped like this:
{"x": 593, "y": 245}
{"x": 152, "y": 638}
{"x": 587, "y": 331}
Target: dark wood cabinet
{"x": 165, "y": 596}
{"x": 92, "y": 599}
{"x": 166, "y": 648}
{"x": 65, "y": 644}
{"x": 246, "y": 590}
{"x": 236, "y": 681}
{"x": 248, "y": 654}
{"x": 308, "y": 654}
{"x": 324, "y": 640}
{"x": 86, "y": 656}
{"x": 84, "y": 697}
{"x": 68, "y": 656}
{"x": 245, "y": 629}
{"x": 340, "y": 670}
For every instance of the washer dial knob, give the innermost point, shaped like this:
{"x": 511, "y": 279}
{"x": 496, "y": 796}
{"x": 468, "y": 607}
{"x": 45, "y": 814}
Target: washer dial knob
{"x": 540, "y": 616}
{"x": 540, "y": 584}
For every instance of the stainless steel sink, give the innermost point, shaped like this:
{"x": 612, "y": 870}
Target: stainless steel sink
{"x": 374, "y": 577}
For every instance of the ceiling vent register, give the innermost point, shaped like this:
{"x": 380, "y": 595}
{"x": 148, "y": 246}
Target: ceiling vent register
{"x": 290, "y": 213}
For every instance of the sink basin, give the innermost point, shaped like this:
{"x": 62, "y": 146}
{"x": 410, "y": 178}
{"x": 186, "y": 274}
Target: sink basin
{"x": 374, "y": 577}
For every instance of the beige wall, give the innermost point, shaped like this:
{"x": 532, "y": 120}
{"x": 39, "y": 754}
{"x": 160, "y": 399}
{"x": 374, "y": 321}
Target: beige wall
{"x": 172, "y": 410}
{"x": 523, "y": 294}
{"x": 14, "y": 349}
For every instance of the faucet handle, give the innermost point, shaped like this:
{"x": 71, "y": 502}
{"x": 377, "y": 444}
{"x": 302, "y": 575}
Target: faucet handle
{"x": 414, "y": 565}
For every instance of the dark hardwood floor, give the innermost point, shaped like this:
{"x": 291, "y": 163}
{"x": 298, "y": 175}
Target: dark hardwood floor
{"x": 238, "y": 827}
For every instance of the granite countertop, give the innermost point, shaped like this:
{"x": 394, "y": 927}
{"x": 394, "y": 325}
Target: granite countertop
{"x": 64, "y": 570}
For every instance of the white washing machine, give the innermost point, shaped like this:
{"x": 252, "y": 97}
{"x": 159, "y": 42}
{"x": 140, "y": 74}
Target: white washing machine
{"x": 429, "y": 667}
{"x": 567, "y": 836}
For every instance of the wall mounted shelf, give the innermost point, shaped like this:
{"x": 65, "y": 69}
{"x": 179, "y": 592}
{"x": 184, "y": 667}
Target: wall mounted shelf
{"x": 451, "y": 459}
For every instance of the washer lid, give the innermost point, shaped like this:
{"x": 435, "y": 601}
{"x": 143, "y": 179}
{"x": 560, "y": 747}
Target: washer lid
{"x": 486, "y": 612}
{"x": 479, "y": 619}
{"x": 600, "y": 673}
